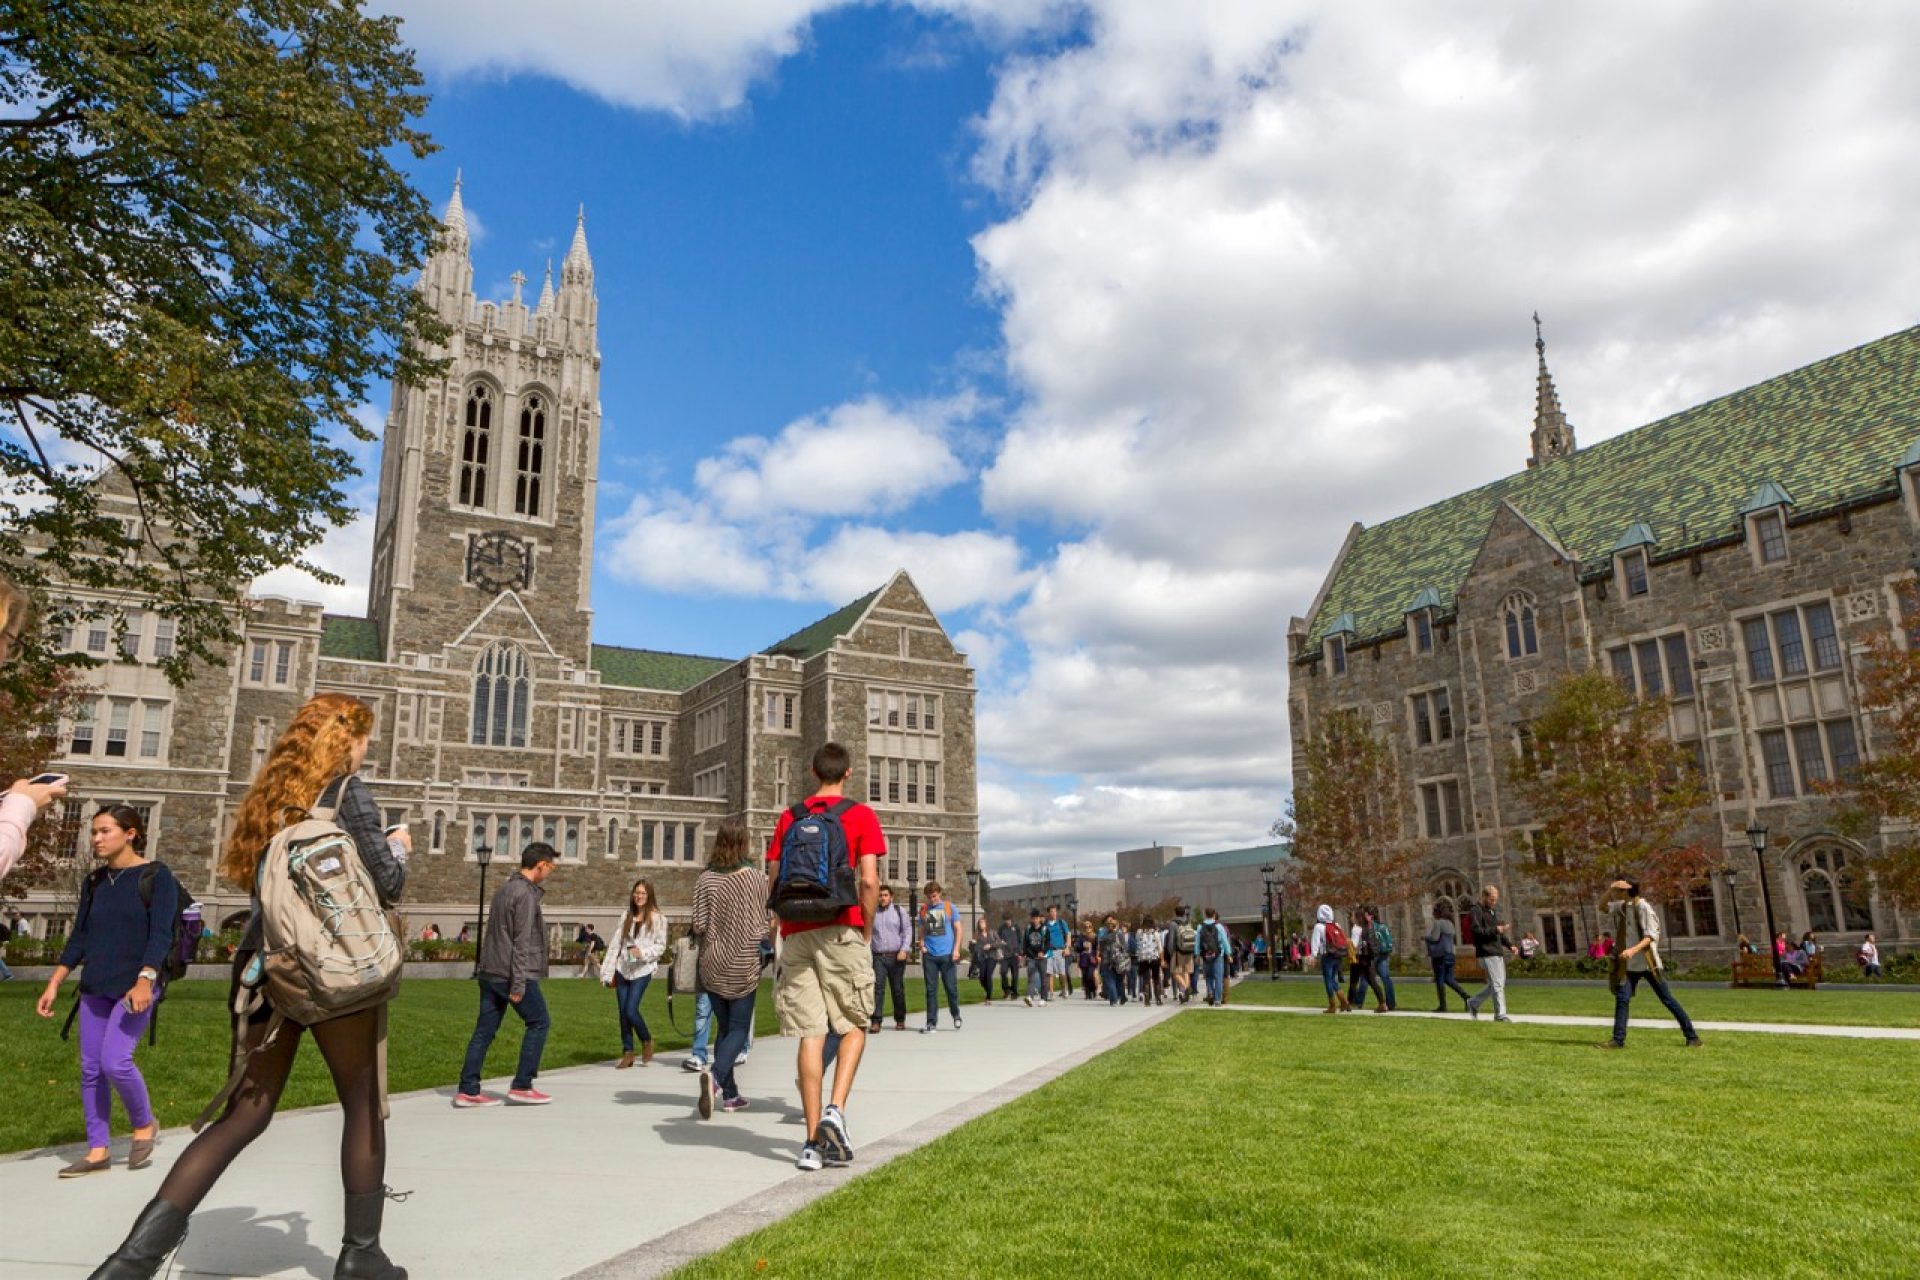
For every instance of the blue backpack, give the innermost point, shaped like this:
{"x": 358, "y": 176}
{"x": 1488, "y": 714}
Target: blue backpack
{"x": 815, "y": 881}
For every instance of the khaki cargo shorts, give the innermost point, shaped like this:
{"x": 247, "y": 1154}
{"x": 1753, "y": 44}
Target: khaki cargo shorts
{"x": 1183, "y": 964}
{"x": 826, "y": 982}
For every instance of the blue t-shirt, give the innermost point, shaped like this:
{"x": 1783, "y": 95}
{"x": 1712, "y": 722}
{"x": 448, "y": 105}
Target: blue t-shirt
{"x": 1056, "y": 935}
{"x": 115, "y": 935}
{"x": 939, "y": 945}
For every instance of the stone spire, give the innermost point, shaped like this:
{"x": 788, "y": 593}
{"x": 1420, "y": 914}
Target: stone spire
{"x": 577, "y": 265}
{"x": 546, "y": 291}
{"x": 1552, "y": 433}
{"x": 456, "y": 220}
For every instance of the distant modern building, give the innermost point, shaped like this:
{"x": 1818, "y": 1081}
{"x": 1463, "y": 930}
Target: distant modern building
{"x": 1229, "y": 881}
{"x": 502, "y": 718}
{"x": 1733, "y": 558}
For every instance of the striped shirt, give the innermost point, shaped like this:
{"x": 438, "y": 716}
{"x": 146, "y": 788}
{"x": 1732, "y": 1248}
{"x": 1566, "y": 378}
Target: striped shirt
{"x": 730, "y": 918}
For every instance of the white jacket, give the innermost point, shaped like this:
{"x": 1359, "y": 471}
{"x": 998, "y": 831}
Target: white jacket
{"x": 637, "y": 956}
{"x": 16, "y": 815}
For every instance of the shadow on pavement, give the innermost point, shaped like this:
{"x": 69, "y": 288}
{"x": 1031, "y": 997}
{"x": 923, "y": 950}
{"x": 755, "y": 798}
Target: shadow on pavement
{"x": 221, "y": 1240}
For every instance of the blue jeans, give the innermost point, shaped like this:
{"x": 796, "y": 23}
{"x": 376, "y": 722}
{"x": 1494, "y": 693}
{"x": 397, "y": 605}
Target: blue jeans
{"x": 735, "y": 1017}
{"x": 1216, "y": 979}
{"x": 493, "y": 1007}
{"x": 1110, "y": 984}
{"x": 703, "y": 1027}
{"x": 627, "y": 994}
{"x": 1037, "y": 978}
{"x": 1443, "y": 978}
{"x": 1624, "y": 996}
{"x": 940, "y": 972}
{"x": 1330, "y": 972}
{"x": 1380, "y": 964}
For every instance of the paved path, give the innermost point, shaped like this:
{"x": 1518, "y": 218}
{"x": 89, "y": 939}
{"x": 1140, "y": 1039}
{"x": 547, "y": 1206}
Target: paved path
{"x": 1642, "y": 1024}
{"x": 619, "y": 1178}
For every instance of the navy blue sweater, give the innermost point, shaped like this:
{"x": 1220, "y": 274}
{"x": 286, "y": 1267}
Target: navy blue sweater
{"x": 115, "y": 935}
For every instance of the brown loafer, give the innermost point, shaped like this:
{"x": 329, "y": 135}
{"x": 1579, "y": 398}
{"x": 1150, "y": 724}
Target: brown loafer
{"x": 82, "y": 1167}
{"x": 140, "y": 1154}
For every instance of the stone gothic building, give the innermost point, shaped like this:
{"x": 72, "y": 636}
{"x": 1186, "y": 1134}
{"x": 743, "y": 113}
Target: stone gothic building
{"x": 1732, "y": 558}
{"x": 501, "y": 721}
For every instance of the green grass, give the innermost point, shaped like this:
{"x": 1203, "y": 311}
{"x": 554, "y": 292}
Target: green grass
{"x": 1703, "y": 1004}
{"x": 427, "y": 1038}
{"x": 1226, "y": 1145}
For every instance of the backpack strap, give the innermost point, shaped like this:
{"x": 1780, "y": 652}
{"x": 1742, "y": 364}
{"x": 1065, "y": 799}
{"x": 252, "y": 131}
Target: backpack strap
{"x": 321, "y": 810}
{"x": 839, "y": 807}
{"x": 245, "y": 1001}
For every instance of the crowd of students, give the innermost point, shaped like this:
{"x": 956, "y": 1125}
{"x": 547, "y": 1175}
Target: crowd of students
{"x": 1104, "y": 959}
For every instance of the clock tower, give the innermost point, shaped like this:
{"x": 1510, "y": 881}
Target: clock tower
{"x": 487, "y": 478}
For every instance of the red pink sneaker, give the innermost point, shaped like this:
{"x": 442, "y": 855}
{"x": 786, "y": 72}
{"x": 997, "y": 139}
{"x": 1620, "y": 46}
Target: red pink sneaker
{"x": 474, "y": 1100}
{"x": 528, "y": 1098}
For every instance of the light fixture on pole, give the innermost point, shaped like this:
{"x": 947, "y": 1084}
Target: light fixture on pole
{"x": 1733, "y": 900}
{"x": 1266, "y": 914}
{"x": 1757, "y": 837}
{"x": 482, "y": 854}
{"x": 973, "y": 892}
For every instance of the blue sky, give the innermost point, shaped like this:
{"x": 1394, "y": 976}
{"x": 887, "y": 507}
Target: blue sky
{"x": 1106, "y": 318}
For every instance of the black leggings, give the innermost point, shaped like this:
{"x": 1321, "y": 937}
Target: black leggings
{"x": 1360, "y": 978}
{"x": 350, "y": 1045}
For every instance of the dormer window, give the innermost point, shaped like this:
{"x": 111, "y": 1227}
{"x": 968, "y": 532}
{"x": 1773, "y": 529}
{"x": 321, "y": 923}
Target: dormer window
{"x": 1523, "y": 635}
{"x": 1423, "y": 632}
{"x": 1420, "y": 615}
{"x": 1770, "y": 535}
{"x": 1633, "y": 572}
{"x": 1766, "y": 516}
{"x": 1337, "y": 654}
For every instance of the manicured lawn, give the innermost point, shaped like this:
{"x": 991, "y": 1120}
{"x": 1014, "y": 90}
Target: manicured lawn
{"x": 427, "y": 1038}
{"x": 1705, "y": 1004}
{"x": 1221, "y": 1144}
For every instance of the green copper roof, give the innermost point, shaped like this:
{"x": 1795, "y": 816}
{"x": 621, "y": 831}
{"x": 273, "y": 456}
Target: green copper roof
{"x": 1911, "y": 458}
{"x": 344, "y": 637}
{"x": 1830, "y": 432}
{"x": 1634, "y": 535}
{"x": 652, "y": 669}
{"x": 812, "y": 641}
{"x": 1768, "y": 496}
{"x": 1427, "y": 599}
{"x": 1226, "y": 860}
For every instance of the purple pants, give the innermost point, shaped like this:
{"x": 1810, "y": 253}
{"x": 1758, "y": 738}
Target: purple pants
{"x": 108, "y": 1036}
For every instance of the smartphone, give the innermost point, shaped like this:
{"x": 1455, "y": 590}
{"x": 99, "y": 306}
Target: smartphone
{"x": 48, "y": 779}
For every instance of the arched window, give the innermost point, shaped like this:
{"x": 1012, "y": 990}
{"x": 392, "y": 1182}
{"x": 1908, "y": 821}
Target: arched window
{"x": 476, "y": 444}
{"x": 1453, "y": 891}
{"x": 1835, "y": 900}
{"x": 1523, "y": 637}
{"x": 501, "y": 694}
{"x": 531, "y": 462}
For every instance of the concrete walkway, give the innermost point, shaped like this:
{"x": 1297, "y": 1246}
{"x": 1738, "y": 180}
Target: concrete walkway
{"x": 618, "y": 1178}
{"x": 1663, "y": 1022}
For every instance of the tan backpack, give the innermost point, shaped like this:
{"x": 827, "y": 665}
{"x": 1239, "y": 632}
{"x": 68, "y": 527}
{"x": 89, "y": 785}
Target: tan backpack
{"x": 328, "y": 948}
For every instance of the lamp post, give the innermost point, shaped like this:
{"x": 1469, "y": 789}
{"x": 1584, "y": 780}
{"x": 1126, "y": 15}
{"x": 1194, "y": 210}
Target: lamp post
{"x": 1733, "y": 900}
{"x": 1757, "y": 837}
{"x": 482, "y": 854}
{"x": 973, "y": 892}
{"x": 1266, "y": 912}
{"x": 1073, "y": 913}
{"x": 913, "y": 919}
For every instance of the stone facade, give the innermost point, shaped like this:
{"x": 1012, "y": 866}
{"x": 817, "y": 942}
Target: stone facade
{"x": 499, "y": 719}
{"x": 1754, "y": 626}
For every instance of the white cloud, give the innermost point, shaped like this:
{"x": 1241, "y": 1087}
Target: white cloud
{"x": 953, "y": 570}
{"x": 859, "y": 458}
{"x": 682, "y": 548}
{"x": 1030, "y": 831}
{"x": 346, "y": 552}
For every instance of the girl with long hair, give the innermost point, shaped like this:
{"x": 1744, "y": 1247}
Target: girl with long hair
{"x": 730, "y": 919}
{"x": 120, "y": 938}
{"x": 629, "y": 967}
{"x": 314, "y": 763}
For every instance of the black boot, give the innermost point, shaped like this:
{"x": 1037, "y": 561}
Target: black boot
{"x": 360, "y": 1255}
{"x": 156, "y": 1233}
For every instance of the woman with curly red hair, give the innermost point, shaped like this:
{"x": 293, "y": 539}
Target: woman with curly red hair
{"x": 314, "y": 764}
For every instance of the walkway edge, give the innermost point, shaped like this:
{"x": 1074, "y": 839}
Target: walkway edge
{"x": 666, "y": 1253}
{"x": 1842, "y": 1030}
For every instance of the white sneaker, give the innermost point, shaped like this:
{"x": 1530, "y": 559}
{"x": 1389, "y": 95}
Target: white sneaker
{"x": 740, "y": 1061}
{"x": 693, "y": 1064}
{"x": 809, "y": 1160}
{"x": 957, "y": 1024}
{"x": 831, "y": 1138}
{"x": 929, "y": 1029}
{"x": 1028, "y": 1000}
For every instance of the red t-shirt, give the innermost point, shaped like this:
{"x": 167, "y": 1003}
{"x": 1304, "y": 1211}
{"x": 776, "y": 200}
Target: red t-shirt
{"x": 864, "y": 840}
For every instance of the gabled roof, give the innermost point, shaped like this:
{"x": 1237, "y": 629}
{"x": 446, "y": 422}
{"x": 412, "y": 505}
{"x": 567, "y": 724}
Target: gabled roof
{"x": 1427, "y": 599}
{"x": 1831, "y": 432}
{"x": 1634, "y": 535}
{"x": 1226, "y": 860}
{"x": 356, "y": 639}
{"x": 811, "y": 641}
{"x": 1765, "y": 498}
{"x": 653, "y": 669}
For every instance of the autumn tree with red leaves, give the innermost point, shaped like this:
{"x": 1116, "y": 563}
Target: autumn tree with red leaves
{"x": 30, "y": 723}
{"x": 1350, "y": 845}
{"x": 1884, "y": 792}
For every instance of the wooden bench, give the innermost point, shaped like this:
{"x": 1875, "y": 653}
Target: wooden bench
{"x": 1756, "y": 970}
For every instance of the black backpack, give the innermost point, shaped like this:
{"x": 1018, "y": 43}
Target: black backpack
{"x": 1210, "y": 940}
{"x": 815, "y": 881}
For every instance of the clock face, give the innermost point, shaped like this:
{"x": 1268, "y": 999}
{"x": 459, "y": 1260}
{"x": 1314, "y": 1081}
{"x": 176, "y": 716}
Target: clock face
{"x": 499, "y": 562}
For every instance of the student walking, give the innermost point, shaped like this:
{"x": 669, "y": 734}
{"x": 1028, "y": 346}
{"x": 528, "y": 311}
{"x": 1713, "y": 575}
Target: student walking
{"x": 513, "y": 959}
{"x": 1057, "y": 934}
{"x": 892, "y": 944}
{"x": 730, "y": 919}
{"x": 1869, "y": 958}
{"x": 629, "y": 967}
{"x": 1637, "y": 926}
{"x": 1011, "y": 958}
{"x": 823, "y": 860}
{"x": 1146, "y": 958}
{"x": 1086, "y": 957}
{"x": 1328, "y": 946}
{"x": 1440, "y": 939}
{"x": 120, "y": 938}
{"x": 1366, "y": 965}
{"x": 1491, "y": 947}
{"x": 1113, "y": 954}
{"x": 939, "y": 935}
{"x": 982, "y": 957}
{"x": 312, "y": 767}
{"x": 1185, "y": 938}
{"x": 1033, "y": 948}
{"x": 1213, "y": 942}
{"x": 591, "y": 946}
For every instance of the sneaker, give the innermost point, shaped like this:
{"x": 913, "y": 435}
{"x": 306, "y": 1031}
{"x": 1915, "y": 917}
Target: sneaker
{"x": 693, "y": 1064}
{"x": 956, "y": 1022}
{"x": 929, "y": 1029}
{"x": 1474, "y": 1010}
{"x": 740, "y": 1061}
{"x": 734, "y": 1104}
{"x": 706, "y": 1095}
{"x": 1501, "y": 1017}
{"x": 475, "y": 1100}
{"x": 1694, "y": 1043}
{"x": 831, "y": 1139}
{"x": 528, "y": 1098}
{"x": 1028, "y": 1000}
{"x": 1610, "y": 1044}
{"x": 809, "y": 1159}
